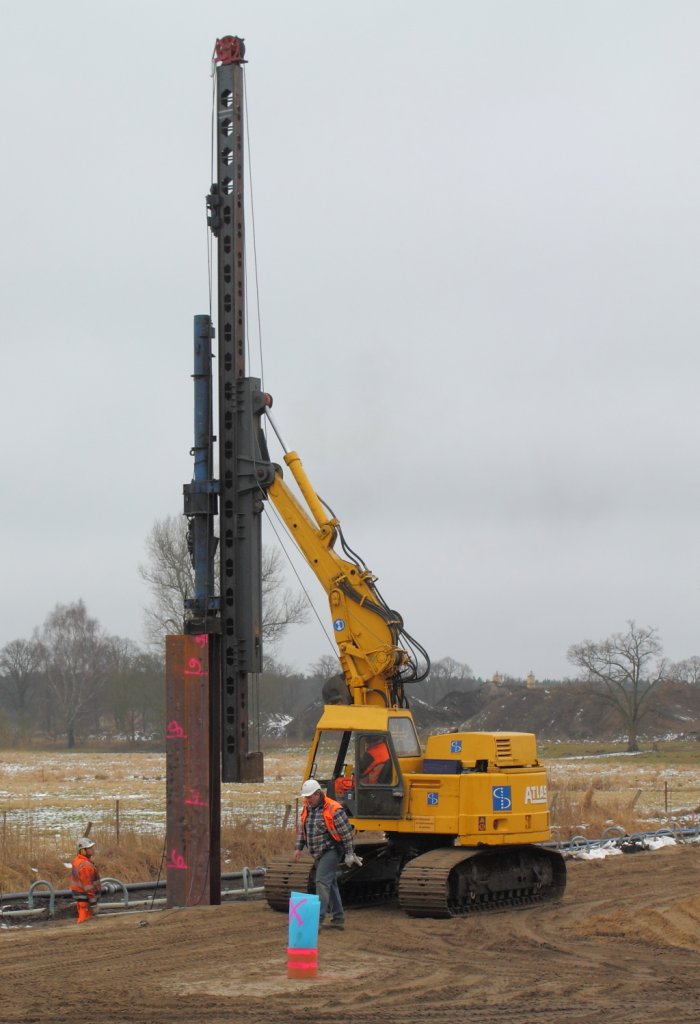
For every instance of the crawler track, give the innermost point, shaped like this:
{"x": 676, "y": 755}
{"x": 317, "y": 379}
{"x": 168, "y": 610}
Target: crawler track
{"x": 376, "y": 882}
{"x": 285, "y": 876}
{"x": 447, "y": 882}
{"x": 452, "y": 882}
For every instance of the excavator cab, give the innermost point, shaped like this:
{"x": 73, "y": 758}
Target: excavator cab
{"x": 361, "y": 766}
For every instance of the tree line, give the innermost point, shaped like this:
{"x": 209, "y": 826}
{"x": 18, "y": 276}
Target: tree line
{"x": 71, "y": 678}
{"x": 620, "y": 672}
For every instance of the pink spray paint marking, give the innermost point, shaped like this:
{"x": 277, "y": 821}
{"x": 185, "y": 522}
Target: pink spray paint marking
{"x": 194, "y": 668}
{"x": 174, "y": 731}
{"x": 294, "y": 913}
{"x": 176, "y": 861}
{"x": 195, "y": 800}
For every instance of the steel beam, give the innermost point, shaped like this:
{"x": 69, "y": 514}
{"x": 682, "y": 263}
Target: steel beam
{"x": 193, "y": 786}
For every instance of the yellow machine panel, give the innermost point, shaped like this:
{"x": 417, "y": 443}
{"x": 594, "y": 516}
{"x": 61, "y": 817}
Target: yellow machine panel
{"x": 491, "y": 807}
{"x": 504, "y": 749}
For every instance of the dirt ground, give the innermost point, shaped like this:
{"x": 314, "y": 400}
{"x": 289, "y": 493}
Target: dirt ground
{"x": 623, "y": 946}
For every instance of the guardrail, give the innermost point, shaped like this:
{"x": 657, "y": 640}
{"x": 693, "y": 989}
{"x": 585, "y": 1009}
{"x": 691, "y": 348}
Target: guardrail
{"x": 615, "y": 835}
{"x": 23, "y": 904}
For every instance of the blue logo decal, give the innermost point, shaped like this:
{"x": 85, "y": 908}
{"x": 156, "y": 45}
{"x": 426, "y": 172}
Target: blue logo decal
{"x": 501, "y": 798}
{"x": 432, "y": 798}
{"x": 338, "y": 625}
{"x": 456, "y": 747}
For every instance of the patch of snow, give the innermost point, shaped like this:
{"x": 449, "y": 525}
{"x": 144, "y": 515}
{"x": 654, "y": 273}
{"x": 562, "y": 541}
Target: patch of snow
{"x": 597, "y": 852}
{"x": 593, "y": 757}
{"x": 657, "y": 842}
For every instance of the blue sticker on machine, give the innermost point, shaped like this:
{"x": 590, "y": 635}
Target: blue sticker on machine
{"x": 501, "y": 798}
{"x": 456, "y": 747}
{"x": 338, "y": 625}
{"x": 432, "y": 798}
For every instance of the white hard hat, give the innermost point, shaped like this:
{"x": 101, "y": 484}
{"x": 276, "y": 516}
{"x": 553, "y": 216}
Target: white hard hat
{"x": 310, "y": 787}
{"x": 85, "y": 844}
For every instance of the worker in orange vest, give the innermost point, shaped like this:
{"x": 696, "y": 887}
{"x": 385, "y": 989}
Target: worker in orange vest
{"x": 85, "y": 880}
{"x": 375, "y": 763}
{"x": 327, "y": 832}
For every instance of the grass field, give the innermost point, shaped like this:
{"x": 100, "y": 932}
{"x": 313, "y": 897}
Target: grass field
{"x": 66, "y": 790}
{"x": 47, "y": 799}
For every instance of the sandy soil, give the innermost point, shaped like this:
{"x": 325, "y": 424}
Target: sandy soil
{"x": 623, "y": 946}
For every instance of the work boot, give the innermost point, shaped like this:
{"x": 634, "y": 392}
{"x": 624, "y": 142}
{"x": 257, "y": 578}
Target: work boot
{"x": 340, "y": 925}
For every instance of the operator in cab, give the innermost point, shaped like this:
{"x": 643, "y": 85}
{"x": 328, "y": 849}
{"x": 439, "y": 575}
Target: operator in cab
{"x": 327, "y": 832}
{"x": 375, "y": 762}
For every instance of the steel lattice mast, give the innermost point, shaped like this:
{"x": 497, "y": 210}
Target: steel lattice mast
{"x": 243, "y": 462}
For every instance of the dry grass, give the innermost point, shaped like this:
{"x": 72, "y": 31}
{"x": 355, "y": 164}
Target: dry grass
{"x": 26, "y": 856}
{"x": 591, "y": 811}
{"x": 590, "y": 794}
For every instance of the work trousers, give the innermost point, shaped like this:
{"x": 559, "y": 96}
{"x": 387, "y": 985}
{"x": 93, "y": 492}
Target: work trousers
{"x": 85, "y": 909}
{"x": 327, "y": 885}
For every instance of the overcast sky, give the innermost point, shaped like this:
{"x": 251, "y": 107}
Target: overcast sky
{"x": 477, "y": 238}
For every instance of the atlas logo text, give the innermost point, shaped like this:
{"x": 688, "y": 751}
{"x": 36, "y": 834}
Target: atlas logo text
{"x": 535, "y": 794}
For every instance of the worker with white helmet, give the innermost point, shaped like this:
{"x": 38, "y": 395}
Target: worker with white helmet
{"x": 85, "y": 880}
{"x": 327, "y": 832}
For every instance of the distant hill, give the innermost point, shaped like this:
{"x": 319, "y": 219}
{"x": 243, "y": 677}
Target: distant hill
{"x": 558, "y": 712}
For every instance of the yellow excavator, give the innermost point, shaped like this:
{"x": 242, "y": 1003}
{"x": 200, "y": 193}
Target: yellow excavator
{"x": 451, "y": 829}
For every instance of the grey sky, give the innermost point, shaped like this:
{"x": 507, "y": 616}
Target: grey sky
{"x": 476, "y": 228}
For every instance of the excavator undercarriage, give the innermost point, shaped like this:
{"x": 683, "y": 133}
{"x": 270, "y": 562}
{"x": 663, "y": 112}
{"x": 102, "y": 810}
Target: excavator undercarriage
{"x": 442, "y": 882}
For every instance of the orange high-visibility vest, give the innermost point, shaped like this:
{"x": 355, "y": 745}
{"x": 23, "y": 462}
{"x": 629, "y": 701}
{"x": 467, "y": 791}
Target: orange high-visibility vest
{"x": 379, "y": 752}
{"x": 84, "y": 879}
{"x": 329, "y": 808}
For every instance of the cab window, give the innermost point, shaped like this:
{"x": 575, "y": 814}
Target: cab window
{"x": 404, "y": 738}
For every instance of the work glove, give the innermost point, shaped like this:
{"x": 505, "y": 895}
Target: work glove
{"x": 352, "y": 858}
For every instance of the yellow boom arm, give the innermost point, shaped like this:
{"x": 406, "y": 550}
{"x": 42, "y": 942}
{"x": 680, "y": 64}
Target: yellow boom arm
{"x": 366, "y": 631}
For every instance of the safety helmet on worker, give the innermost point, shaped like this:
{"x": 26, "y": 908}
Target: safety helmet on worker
{"x": 310, "y": 787}
{"x": 84, "y": 844}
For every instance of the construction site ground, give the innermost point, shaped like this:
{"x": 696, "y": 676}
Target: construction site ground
{"x": 623, "y": 946}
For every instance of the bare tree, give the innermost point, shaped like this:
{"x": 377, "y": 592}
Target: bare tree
{"x": 282, "y": 692}
{"x": 624, "y": 669}
{"x": 135, "y": 694}
{"x": 686, "y": 671}
{"x": 169, "y": 573}
{"x": 325, "y": 667}
{"x": 281, "y": 607}
{"x": 445, "y": 676}
{"x": 20, "y": 661}
{"x": 170, "y": 576}
{"x": 76, "y": 657}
